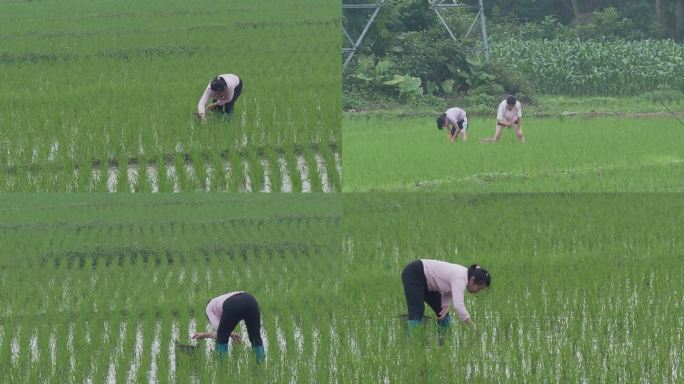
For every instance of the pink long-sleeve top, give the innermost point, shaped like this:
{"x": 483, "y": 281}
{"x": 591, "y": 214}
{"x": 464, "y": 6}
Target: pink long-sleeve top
{"x": 222, "y": 98}
{"x": 451, "y": 281}
{"x": 454, "y": 115}
{"x": 215, "y": 308}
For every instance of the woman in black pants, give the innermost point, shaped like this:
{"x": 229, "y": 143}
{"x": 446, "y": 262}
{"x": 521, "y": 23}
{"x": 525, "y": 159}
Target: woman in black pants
{"x": 440, "y": 284}
{"x": 224, "y": 312}
{"x": 224, "y": 90}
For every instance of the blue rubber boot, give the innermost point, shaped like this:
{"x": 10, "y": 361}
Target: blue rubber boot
{"x": 412, "y": 326}
{"x": 444, "y": 324}
{"x": 260, "y": 354}
{"x": 222, "y": 349}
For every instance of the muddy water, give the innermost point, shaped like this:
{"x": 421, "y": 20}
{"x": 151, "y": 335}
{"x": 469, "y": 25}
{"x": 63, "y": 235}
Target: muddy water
{"x": 192, "y": 174}
{"x": 124, "y": 365}
{"x": 285, "y": 174}
{"x": 303, "y": 173}
{"x": 156, "y": 347}
{"x": 322, "y": 172}
{"x": 153, "y": 177}
{"x": 137, "y": 355}
{"x": 118, "y": 352}
{"x": 266, "y": 187}
{"x": 338, "y": 163}
{"x": 173, "y": 176}
{"x": 112, "y": 178}
{"x": 132, "y": 173}
{"x": 247, "y": 187}
{"x": 209, "y": 176}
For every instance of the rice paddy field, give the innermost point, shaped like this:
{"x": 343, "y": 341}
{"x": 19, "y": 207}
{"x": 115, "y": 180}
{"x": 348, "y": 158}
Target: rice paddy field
{"x": 562, "y": 154}
{"x": 586, "y": 288}
{"x": 96, "y": 288}
{"x": 100, "y": 96}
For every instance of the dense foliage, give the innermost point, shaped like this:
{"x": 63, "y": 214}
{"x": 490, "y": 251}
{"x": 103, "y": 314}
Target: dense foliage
{"x": 594, "y": 67}
{"x": 561, "y": 47}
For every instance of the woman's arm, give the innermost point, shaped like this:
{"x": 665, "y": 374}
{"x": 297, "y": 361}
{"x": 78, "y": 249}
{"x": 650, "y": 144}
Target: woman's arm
{"x": 203, "y": 101}
{"x": 204, "y": 335}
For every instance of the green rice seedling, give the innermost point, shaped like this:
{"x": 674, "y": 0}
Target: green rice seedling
{"x": 236, "y": 183}
{"x": 97, "y": 104}
{"x": 563, "y": 155}
{"x": 579, "y": 292}
{"x": 256, "y": 170}
{"x": 290, "y": 156}
{"x": 185, "y": 181}
{"x": 311, "y": 165}
{"x": 159, "y": 258}
{"x": 199, "y": 163}
{"x": 334, "y": 178}
{"x": 271, "y": 157}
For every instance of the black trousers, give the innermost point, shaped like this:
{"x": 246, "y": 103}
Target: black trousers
{"x": 242, "y": 306}
{"x": 417, "y": 293}
{"x": 227, "y": 108}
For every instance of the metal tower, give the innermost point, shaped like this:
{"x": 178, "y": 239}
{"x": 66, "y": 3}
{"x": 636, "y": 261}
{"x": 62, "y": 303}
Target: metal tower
{"x": 350, "y": 46}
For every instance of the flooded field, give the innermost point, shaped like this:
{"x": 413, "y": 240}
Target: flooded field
{"x": 585, "y": 288}
{"x": 101, "y": 288}
{"x": 116, "y": 281}
{"x": 103, "y": 97}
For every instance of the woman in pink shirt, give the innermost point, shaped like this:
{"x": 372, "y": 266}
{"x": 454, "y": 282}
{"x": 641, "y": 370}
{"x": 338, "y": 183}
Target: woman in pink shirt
{"x": 224, "y": 91}
{"x": 225, "y": 312}
{"x": 456, "y": 122}
{"x": 440, "y": 284}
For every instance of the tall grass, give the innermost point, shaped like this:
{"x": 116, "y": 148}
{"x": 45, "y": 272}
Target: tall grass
{"x": 593, "y": 67}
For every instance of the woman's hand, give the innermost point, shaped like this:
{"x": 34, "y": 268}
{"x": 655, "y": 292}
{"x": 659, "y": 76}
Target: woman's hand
{"x": 471, "y": 325}
{"x": 236, "y": 338}
{"x": 443, "y": 313}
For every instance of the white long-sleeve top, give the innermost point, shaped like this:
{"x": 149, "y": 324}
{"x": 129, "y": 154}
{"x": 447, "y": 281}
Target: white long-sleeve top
{"x": 503, "y": 114}
{"x": 215, "y": 308}
{"x": 451, "y": 281}
{"x": 222, "y": 98}
{"x": 454, "y": 115}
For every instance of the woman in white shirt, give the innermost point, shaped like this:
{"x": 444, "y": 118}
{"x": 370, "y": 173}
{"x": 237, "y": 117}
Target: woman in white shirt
{"x": 508, "y": 115}
{"x": 224, "y": 91}
{"x": 456, "y": 122}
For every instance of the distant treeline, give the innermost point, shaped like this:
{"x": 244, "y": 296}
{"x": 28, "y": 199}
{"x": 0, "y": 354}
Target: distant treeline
{"x": 631, "y": 19}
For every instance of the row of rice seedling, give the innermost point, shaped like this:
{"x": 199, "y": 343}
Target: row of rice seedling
{"x": 117, "y": 280}
{"x": 97, "y": 87}
{"x": 594, "y": 67}
{"x": 312, "y": 169}
{"x": 585, "y": 287}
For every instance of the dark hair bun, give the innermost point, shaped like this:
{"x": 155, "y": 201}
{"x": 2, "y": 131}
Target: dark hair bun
{"x": 481, "y": 275}
{"x": 218, "y": 84}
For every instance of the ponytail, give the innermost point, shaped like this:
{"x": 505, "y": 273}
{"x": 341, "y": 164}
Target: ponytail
{"x": 482, "y": 277}
{"x": 441, "y": 120}
{"x": 218, "y": 84}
